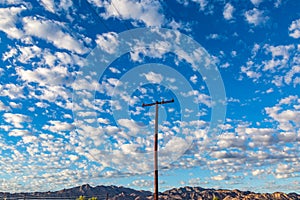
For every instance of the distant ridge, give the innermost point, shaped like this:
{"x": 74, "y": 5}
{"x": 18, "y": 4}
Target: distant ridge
{"x": 122, "y": 193}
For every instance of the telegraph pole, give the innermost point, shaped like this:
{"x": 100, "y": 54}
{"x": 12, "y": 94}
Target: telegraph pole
{"x": 156, "y": 144}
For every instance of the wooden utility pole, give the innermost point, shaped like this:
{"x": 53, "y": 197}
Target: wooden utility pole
{"x": 156, "y": 144}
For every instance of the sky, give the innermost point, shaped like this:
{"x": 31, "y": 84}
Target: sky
{"x": 74, "y": 76}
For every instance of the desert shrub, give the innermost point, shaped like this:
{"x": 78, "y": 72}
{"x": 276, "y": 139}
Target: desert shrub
{"x": 81, "y": 198}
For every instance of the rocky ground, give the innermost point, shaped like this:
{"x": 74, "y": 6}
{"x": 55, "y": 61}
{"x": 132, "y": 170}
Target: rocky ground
{"x": 122, "y": 193}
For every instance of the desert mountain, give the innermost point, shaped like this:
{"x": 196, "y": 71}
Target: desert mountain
{"x": 122, "y": 193}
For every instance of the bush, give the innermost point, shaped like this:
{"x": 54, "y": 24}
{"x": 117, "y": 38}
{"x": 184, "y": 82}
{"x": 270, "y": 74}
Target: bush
{"x": 81, "y": 198}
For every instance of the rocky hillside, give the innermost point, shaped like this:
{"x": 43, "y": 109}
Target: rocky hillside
{"x": 198, "y": 193}
{"x": 122, "y": 193}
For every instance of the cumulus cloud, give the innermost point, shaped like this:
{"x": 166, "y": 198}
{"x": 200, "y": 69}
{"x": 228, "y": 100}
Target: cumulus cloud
{"x": 54, "y": 6}
{"x": 52, "y": 32}
{"x": 3, "y": 107}
{"x": 220, "y": 177}
{"x": 255, "y": 17}
{"x": 17, "y": 120}
{"x": 231, "y": 140}
{"x": 9, "y": 18}
{"x": 199, "y": 97}
{"x": 156, "y": 49}
{"x": 289, "y": 77}
{"x": 228, "y": 11}
{"x": 49, "y": 5}
{"x": 58, "y": 126}
{"x": 256, "y": 2}
{"x": 142, "y": 183}
{"x": 281, "y": 58}
{"x": 46, "y": 76}
{"x": 58, "y": 94}
{"x": 294, "y": 29}
{"x": 148, "y": 11}
{"x": 13, "y": 91}
{"x": 194, "y": 78}
{"x": 288, "y": 119}
{"x": 18, "y": 132}
{"x": 153, "y": 77}
{"x": 132, "y": 126}
{"x": 108, "y": 42}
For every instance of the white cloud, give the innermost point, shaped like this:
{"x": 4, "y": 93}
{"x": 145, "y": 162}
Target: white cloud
{"x": 97, "y": 3}
{"x": 3, "y": 107}
{"x": 286, "y": 113}
{"x": 17, "y": 120}
{"x": 129, "y": 148}
{"x": 52, "y": 32}
{"x": 277, "y": 3}
{"x": 58, "y": 94}
{"x": 180, "y": 143}
{"x": 270, "y": 91}
{"x": 202, "y": 4}
{"x": 194, "y": 78}
{"x": 11, "y": 2}
{"x": 255, "y": 17}
{"x": 156, "y": 49}
{"x": 108, "y": 42}
{"x": 284, "y": 170}
{"x": 199, "y": 97}
{"x": 147, "y": 11}
{"x": 114, "y": 70}
{"x": 12, "y": 91}
{"x": 290, "y": 74}
{"x": 42, "y": 104}
{"x": 29, "y": 139}
{"x": 132, "y": 126}
{"x": 213, "y": 36}
{"x": 295, "y": 29}
{"x": 287, "y": 137}
{"x": 54, "y": 6}
{"x": 58, "y": 126}
{"x": 103, "y": 121}
{"x": 258, "y": 172}
{"x": 73, "y": 157}
{"x": 49, "y": 5}
{"x": 33, "y": 54}
{"x": 249, "y": 72}
{"x": 153, "y": 77}
{"x": 142, "y": 183}
{"x": 194, "y": 182}
{"x": 8, "y": 21}
{"x": 18, "y": 132}
{"x": 256, "y": 2}
{"x": 281, "y": 62}
{"x": 27, "y": 53}
{"x": 219, "y": 177}
{"x": 65, "y": 4}
{"x": 228, "y": 11}
{"x": 287, "y": 100}
{"x": 231, "y": 140}
{"x": 46, "y": 76}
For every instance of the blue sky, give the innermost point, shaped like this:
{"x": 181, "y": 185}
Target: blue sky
{"x": 74, "y": 75}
